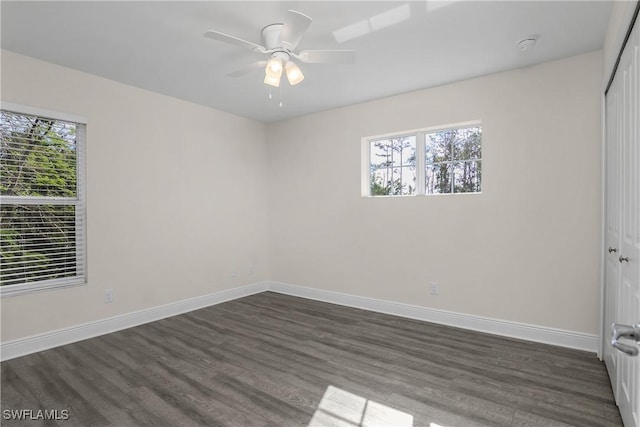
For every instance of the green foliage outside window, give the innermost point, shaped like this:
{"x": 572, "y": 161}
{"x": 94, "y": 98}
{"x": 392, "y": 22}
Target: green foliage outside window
{"x": 453, "y": 160}
{"x": 37, "y": 160}
{"x": 393, "y": 166}
{"x": 452, "y": 163}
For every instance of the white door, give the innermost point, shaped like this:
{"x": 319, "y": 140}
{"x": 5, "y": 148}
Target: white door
{"x": 622, "y": 286}
{"x": 612, "y": 223}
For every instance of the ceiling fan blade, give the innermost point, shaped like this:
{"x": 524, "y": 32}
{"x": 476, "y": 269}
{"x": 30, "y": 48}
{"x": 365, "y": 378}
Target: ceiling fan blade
{"x": 249, "y": 68}
{"x": 226, "y": 38}
{"x": 327, "y": 56}
{"x": 294, "y": 27}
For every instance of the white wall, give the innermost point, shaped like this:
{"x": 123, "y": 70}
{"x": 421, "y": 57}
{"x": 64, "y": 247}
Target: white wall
{"x": 176, "y": 197}
{"x": 526, "y": 249}
{"x": 166, "y": 222}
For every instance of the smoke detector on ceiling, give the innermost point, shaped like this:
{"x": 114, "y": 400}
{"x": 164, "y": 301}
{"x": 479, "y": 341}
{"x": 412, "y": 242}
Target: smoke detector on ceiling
{"x": 527, "y": 43}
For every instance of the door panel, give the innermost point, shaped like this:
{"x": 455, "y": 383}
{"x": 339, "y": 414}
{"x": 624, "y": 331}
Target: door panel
{"x": 612, "y": 222}
{"x": 622, "y": 224}
{"x": 629, "y": 367}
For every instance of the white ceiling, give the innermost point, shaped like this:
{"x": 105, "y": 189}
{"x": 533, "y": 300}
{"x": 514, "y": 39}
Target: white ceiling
{"x": 160, "y": 46}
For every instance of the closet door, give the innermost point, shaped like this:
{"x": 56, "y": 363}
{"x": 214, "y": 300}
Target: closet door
{"x": 613, "y": 124}
{"x": 622, "y": 266}
{"x": 629, "y": 298}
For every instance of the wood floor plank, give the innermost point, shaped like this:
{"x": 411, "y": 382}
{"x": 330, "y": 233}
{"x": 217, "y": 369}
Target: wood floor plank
{"x": 276, "y": 360}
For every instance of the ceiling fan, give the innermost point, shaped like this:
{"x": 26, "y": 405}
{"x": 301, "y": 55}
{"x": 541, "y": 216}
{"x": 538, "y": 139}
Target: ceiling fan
{"x": 279, "y": 42}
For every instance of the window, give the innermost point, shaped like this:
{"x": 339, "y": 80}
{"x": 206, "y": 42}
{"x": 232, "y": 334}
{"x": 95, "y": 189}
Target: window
{"x": 393, "y": 166}
{"x": 452, "y": 160}
{"x": 42, "y": 214}
{"x": 433, "y": 161}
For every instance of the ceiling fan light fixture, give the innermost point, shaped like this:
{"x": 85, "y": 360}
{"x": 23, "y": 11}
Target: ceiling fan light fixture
{"x": 272, "y": 81}
{"x": 280, "y": 41}
{"x": 274, "y": 67}
{"x": 294, "y": 74}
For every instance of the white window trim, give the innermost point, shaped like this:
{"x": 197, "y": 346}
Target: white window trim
{"x": 420, "y": 134}
{"x": 42, "y": 112}
{"x": 81, "y": 215}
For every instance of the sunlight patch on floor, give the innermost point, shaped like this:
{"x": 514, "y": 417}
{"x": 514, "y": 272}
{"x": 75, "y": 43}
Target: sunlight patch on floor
{"x": 339, "y": 408}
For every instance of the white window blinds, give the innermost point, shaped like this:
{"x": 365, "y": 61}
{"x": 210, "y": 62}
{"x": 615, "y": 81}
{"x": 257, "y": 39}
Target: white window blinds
{"x": 42, "y": 213}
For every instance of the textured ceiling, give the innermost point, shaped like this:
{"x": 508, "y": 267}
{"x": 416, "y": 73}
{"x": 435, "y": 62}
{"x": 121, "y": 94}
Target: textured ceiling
{"x": 401, "y": 46}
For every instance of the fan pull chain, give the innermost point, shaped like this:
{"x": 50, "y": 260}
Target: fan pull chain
{"x": 270, "y": 96}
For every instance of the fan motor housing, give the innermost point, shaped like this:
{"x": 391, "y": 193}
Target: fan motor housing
{"x": 270, "y": 36}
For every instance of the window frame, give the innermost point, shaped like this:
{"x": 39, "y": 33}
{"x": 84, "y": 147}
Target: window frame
{"x": 79, "y": 202}
{"x": 420, "y": 135}
{"x": 395, "y": 136}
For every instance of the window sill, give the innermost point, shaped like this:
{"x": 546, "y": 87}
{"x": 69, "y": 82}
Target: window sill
{"x": 15, "y": 290}
{"x": 405, "y": 196}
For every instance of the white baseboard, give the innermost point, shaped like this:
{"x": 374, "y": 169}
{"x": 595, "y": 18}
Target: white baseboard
{"x": 542, "y": 334}
{"x": 559, "y": 337}
{"x": 32, "y": 344}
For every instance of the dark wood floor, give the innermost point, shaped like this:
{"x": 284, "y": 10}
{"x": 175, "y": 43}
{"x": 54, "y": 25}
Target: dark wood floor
{"x": 276, "y": 360}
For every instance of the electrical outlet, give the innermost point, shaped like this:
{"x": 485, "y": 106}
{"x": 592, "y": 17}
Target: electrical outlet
{"x": 433, "y": 288}
{"x": 108, "y": 296}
